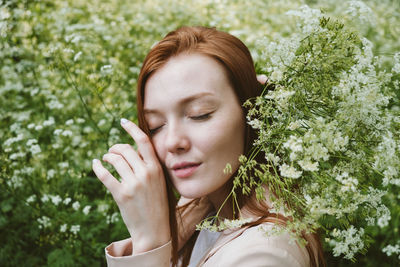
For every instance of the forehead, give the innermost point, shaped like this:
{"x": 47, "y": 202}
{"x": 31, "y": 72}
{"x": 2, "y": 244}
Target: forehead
{"x": 184, "y": 76}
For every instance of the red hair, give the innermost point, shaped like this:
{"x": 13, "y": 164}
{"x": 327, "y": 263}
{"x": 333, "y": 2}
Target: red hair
{"x": 237, "y": 61}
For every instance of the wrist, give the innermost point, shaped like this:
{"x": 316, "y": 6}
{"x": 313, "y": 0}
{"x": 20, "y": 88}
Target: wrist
{"x": 148, "y": 241}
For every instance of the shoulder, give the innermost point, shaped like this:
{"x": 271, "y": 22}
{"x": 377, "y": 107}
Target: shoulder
{"x": 253, "y": 247}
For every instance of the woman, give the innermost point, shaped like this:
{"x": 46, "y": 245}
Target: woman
{"x": 191, "y": 124}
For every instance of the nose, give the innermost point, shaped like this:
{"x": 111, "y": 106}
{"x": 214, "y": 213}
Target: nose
{"x": 177, "y": 139}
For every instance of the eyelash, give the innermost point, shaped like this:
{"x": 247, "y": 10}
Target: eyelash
{"x": 197, "y": 118}
{"x": 201, "y": 117}
{"x": 153, "y": 131}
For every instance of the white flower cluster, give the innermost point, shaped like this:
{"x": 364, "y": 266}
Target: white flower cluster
{"x": 396, "y": 67}
{"x": 309, "y": 18}
{"x": 349, "y": 184}
{"x": 208, "y": 224}
{"x": 360, "y": 10}
{"x": 113, "y": 218}
{"x": 347, "y": 242}
{"x": 73, "y": 229}
{"x": 334, "y": 137}
{"x": 390, "y": 250}
{"x": 289, "y": 171}
{"x": 44, "y": 222}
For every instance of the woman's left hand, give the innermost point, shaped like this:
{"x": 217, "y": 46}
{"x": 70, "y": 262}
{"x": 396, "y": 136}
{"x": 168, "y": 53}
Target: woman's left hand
{"x": 141, "y": 195}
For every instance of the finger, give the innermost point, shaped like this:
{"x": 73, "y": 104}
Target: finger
{"x": 145, "y": 148}
{"x": 262, "y": 78}
{"x": 120, "y": 165}
{"x": 130, "y": 155}
{"x": 105, "y": 176}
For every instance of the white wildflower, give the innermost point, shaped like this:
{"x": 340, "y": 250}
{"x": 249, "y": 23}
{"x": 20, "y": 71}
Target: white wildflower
{"x": 35, "y": 149}
{"x": 57, "y": 131}
{"x": 45, "y": 198}
{"x": 294, "y": 144}
{"x": 340, "y": 142}
{"x": 383, "y": 215}
{"x": 317, "y": 151}
{"x": 15, "y": 181}
{"x": 44, "y": 222}
{"x": 63, "y": 165}
{"x": 103, "y": 208}
{"x": 50, "y": 174}
{"x": 31, "y": 142}
{"x": 115, "y": 217}
{"x": 289, "y": 171}
{"x": 17, "y": 155}
{"x": 63, "y": 228}
{"x": 348, "y": 183}
{"x": 76, "y": 205}
{"x": 271, "y": 157}
{"x": 54, "y": 104}
{"x": 308, "y": 165}
{"x": 49, "y": 122}
{"x": 232, "y": 224}
{"x": 69, "y": 122}
{"x": 56, "y": 199}
{"x": 276, "y": 76}
{"x": 207, "y": 225}
{"x": 396, "y": 67}
{"x": 31, "y": 198}
{"x": 66, "y": 133}
{"x": 255, "y": 123}
{"x": 68, "y": 50}
{"x": 294, "y": 125}
{"x": 67, "y": 200}
{"x": 106, "y": 69}
{"x": 112, "y": 218}
{"x": 347, "y": 242}
{"x": 279, "y": 94}
{"x": 390, "y": 250}
{"x": 360, "y": 10}
{"x": 102, "y": 122}
{"x": 86, "y": 210}
{"x": 77, "y": 55}
{"x": 38, "y": 127}
{"x": 308, "y": 199}
{"x": 309, "y": 18}
{"x": 75, "y": 229}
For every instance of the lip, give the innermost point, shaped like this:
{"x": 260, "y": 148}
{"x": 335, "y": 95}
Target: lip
{"x": 185, "y": 169}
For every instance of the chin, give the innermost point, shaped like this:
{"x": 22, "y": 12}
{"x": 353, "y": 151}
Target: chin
{"x": 192, "y": 192}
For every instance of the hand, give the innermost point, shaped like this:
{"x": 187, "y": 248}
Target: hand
{"x": 141, "y": 195}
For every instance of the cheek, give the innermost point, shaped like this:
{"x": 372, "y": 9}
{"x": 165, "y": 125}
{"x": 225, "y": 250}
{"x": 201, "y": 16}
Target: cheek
{"x": 227, "y": 138}
{"x": 158, "y": 148}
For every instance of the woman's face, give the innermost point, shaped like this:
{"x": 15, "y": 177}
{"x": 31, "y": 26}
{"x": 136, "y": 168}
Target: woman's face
{"x": 196, "y": 122}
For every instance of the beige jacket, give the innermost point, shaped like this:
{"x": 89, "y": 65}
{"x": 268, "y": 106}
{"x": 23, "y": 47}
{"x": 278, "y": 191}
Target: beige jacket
{"x": 246, "y": 246}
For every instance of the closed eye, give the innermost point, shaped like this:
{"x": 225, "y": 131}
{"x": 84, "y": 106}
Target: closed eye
{"x": 201, "y": 117}
{"x": 154, "y": 130}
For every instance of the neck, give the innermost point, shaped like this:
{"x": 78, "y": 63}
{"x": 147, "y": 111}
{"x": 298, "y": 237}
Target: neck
{"x": 217, "y": 198}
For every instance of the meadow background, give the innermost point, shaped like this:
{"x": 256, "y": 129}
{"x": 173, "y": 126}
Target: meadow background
{"x": 68, "y": 73}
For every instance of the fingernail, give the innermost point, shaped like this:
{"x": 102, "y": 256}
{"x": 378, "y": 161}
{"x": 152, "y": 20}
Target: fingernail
{"x": 94, "y": 161}
{"x": 123, "y": 121}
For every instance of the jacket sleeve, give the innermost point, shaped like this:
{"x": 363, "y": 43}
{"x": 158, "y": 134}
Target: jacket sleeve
{"x": 119, "y": 254}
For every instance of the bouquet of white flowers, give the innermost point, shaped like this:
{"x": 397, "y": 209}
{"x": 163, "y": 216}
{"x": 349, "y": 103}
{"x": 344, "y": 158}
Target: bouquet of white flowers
{"x": 328, "y": 123}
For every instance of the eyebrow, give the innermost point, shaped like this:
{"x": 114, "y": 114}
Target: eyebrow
{"x": 182, "y": 101}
